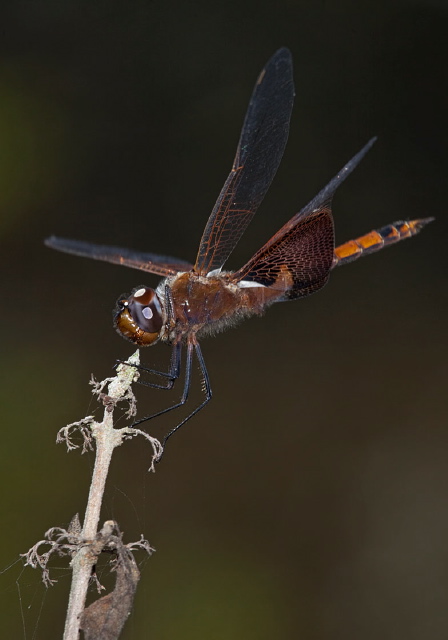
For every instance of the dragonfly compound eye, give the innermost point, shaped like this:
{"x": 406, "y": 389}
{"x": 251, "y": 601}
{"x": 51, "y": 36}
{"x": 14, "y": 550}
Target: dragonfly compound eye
{"x": 139, "y": 318}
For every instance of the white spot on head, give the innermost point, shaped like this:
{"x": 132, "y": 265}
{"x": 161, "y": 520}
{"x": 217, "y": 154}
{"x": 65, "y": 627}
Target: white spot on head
{"x": 147, "y": 313}
{"x": 140, "y": 293}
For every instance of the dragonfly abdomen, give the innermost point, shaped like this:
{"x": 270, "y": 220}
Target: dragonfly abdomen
{"x": 377, "y": 239}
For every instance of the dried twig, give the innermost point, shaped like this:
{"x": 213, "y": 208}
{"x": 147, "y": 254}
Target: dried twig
{"x": 84, "y": 545}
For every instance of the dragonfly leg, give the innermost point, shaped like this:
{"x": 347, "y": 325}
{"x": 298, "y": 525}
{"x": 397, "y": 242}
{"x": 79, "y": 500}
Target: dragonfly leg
{"x": 171, "y": 376}
{"x": 185, "y": 393}
{"x": 192, "y": 344}
{"x": 205, "y": 387}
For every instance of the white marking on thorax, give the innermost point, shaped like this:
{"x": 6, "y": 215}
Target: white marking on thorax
{"x": 213, "y": 273}
{"x": 139, "y": 293}
{"x": 147, "y": 313}
{"x": 246, "y": 284}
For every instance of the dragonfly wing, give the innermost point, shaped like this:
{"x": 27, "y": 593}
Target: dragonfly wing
{"x": 260, "y": 149}
{"x": 298, "y": 259}
{"x": 325, "y": 196}
{"x": 150, "y": 262}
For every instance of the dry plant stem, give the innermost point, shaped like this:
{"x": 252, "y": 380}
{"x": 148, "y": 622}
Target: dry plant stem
{"x": 107, "y": 438}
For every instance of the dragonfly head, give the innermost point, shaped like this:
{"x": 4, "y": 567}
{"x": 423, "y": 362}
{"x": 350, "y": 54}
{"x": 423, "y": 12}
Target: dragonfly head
{"x": 139, "y": 318}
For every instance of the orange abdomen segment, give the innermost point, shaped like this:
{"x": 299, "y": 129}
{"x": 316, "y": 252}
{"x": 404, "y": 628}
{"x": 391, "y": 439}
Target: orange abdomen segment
{"x": 376, "y": 240}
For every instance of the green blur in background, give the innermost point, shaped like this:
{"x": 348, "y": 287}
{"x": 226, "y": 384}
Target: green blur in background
{"x": 309, "y": 499}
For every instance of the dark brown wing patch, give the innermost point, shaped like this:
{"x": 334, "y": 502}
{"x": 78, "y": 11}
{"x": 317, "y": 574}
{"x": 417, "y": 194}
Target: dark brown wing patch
{"x": 297, "y": 260}
{"x": 299, "y": 257}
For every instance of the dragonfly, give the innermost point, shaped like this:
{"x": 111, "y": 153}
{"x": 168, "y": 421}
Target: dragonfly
{"x": 195, "y": 300}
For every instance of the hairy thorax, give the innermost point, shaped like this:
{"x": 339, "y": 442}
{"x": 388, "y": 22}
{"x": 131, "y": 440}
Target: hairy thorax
{"x": 205, "y": 305}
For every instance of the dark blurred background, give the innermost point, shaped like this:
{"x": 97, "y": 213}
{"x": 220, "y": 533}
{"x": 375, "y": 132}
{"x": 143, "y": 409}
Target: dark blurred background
{"x": 310, "y": 499}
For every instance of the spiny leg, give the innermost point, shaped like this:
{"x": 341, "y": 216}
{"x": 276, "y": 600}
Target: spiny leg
{"x": 205, "y": 387}
{"x": 185, "y": 393}
{"x": 172, "y": 375}
{"x": 192, "y": 344}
